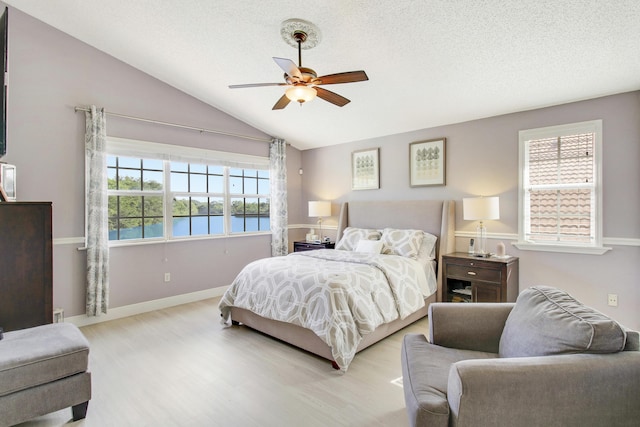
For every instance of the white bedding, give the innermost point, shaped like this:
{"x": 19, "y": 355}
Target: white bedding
{"x": 339, "y": 295}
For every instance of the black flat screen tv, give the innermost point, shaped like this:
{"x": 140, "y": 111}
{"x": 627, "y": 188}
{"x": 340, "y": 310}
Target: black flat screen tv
{"x": 3, "y": 80}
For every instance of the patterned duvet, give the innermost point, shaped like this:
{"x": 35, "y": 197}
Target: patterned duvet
{"x": 339, "y": 295}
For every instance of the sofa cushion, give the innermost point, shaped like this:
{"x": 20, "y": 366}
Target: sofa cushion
{"x": 633, "y": 341}
{"x": 548, "y": 321}
{"x": 39, "y": 355}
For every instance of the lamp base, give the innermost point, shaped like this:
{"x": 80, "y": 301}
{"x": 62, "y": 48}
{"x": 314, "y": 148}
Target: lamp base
{"x": 481, "y": 241}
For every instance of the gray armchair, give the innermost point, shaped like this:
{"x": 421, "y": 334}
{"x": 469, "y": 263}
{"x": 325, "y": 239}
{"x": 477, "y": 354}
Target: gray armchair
{"x": 458, "y": 377}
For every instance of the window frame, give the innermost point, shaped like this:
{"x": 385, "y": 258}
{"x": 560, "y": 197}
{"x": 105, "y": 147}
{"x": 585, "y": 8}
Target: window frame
{"x": 592, "y": 126}
{"x": 142, "y": 192}
{"x": 173, "y": 153}
{"x": 231, "y": 196}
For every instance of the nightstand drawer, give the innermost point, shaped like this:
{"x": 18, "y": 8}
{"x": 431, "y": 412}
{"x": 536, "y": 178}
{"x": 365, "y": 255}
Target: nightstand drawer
{"x": 308, "y": 246}
{"x": 301, "y": 246}
{"x": 468, "y": 272}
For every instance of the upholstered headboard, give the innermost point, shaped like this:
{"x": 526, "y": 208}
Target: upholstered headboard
{"x": 433, "y": 216}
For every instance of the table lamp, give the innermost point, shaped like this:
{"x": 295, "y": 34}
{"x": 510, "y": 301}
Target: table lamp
{"x": 320, "y": 209}
{"x": 481, "y": 208}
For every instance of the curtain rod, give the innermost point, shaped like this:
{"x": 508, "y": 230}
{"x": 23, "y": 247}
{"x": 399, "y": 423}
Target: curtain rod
{"x": 201, "y": 130}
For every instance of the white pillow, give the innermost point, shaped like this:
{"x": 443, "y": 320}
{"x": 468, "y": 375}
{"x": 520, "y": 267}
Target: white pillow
{"x": 369, "y": 246}
{"x": 351, "y": 236}
{"x": 401, "y": 242}
{"x": 427, "y": 251}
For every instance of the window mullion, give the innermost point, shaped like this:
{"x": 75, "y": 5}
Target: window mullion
{"x": 227, "y": 201}
{"x": 574, "y": 186}
{"x": 135, "y": 193}
{"x": 168, "y": 200}
{"x": 558, "y": 181}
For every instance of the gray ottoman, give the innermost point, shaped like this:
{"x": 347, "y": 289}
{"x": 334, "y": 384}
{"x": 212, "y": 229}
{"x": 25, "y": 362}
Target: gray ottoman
{"x": 43, "y": 369}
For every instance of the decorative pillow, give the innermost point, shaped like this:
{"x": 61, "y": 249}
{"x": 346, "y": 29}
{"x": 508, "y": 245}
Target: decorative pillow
{"x": 351, "y": 236}
{"x": 547, "y": 321}
{"x": 369, "y": 246}
{"x": 427, "y": 251}
{"x": 401, "y": 242}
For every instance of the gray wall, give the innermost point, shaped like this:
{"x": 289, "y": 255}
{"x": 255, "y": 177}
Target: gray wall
{"x": 482, "y": 159}
{"x": 50, "y": 74}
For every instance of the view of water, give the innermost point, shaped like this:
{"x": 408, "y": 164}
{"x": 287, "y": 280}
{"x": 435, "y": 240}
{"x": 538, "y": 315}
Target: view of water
{"x": 199, "y": 227}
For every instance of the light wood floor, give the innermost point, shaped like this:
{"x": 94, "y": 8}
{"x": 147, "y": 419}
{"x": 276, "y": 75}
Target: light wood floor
{"x": 181, "y": 367}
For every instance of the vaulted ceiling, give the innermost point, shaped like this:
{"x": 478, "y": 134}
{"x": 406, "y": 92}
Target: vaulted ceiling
{"x": 429, "y": 62}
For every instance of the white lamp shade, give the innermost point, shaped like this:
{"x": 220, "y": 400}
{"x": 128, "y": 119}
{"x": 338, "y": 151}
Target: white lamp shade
{"x": 320, "y": 208}
{"x": 481, "y": 208}
{"x": 301, "y": 93}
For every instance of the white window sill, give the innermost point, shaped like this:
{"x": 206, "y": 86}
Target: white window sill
{"x": 154, "y": 241}
{"x": 587, "y": 250}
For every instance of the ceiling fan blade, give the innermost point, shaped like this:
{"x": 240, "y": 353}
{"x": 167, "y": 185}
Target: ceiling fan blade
{"x": 282, "y": 102}
{"x": 256, "y": 85}
{"x": 347, "y": 77}
{"x": 289, "y": 67}
{"x": 332, "y": 97}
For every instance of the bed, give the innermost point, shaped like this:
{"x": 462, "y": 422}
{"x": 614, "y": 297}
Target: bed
{"x": 359, "y": 311}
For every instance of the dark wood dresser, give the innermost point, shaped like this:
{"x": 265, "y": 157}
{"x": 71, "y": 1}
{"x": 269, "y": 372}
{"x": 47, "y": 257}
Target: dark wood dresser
{"x": 26, "y": 265}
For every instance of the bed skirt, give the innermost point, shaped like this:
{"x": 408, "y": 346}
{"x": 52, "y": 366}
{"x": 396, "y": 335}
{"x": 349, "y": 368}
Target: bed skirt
{"x": 307, "y": 340}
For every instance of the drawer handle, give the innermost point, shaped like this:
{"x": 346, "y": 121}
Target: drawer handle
{"x": 471, "y": 273}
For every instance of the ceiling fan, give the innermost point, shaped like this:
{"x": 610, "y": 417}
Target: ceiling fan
{"x": 303, "y": 83}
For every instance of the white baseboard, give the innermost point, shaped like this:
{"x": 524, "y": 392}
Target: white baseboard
{"x": 144, "y": 307}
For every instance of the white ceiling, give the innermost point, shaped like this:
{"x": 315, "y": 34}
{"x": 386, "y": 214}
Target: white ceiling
{"x": 429, "y": 62}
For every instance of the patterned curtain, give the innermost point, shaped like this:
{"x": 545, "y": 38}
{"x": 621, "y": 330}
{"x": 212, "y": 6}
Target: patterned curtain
{"x": 278, "y": 212}
{"x": 97, "y": 213}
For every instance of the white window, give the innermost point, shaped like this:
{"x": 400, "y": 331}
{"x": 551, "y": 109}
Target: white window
{"x": 135, "y": 191}
{"x": 560, "y": 194}
{"x": 162, "y": 192}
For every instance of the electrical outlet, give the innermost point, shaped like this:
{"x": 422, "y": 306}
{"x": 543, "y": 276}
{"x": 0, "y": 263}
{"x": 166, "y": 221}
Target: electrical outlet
{"x": 612, "y": 300}
{"x": 167, "y": 277}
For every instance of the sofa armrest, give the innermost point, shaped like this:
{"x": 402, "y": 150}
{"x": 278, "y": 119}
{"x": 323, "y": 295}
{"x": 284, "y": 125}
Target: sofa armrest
{"x": 633, "y": 341}
{"x": 568, "y": 390}
{"x": 472, "y": 326}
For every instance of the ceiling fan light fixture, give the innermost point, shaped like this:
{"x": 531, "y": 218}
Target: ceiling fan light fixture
{"x": 301, "y": 93}
{"x": 303, "y": 84}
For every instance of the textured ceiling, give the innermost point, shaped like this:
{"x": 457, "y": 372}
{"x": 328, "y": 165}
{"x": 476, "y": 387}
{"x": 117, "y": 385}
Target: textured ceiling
{"x": 429, "y": 62}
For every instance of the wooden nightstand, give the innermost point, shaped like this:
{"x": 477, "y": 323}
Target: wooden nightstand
{"x": 306, "y": 246}
{"x": 466, "y": 278}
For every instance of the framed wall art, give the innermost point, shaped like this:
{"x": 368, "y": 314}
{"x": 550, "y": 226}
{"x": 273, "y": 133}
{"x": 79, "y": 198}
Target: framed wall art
{"x": 365, "y": 169}
{"x": 427, "y": 162}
